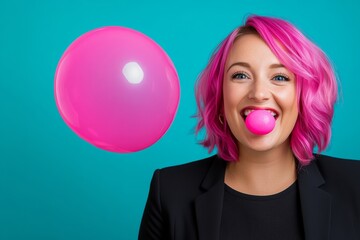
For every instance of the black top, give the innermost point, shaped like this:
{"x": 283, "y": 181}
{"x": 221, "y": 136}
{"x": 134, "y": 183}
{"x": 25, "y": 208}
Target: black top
{"x": 275, "y": 216}
{"x": 186, "y": 202}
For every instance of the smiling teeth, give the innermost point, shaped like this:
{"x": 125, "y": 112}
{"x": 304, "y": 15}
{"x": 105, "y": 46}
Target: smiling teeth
{"x": 272, "y": 113}
{"x": 248, "y": 111}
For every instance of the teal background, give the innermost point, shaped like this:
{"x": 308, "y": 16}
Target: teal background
{"x": 54, "y": 185}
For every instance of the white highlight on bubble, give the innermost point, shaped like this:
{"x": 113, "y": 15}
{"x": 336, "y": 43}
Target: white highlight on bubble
{"x": 133, "y": 72}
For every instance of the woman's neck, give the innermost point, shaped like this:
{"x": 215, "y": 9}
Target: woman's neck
{"x": 262, "y": 173}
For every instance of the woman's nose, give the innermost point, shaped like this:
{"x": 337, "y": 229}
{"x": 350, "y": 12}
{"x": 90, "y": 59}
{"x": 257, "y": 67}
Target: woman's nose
{"x": 259, "y": 91}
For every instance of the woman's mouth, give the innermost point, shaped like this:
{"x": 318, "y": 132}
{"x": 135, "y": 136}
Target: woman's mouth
{"x": 246, "y": 111}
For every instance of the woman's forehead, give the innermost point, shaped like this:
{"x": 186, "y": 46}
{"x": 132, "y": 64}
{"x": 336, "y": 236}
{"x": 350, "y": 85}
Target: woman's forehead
{"x": 251, "y": 49}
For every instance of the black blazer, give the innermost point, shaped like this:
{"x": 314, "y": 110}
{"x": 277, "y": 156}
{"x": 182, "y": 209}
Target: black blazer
{"x": 185, "y": 202}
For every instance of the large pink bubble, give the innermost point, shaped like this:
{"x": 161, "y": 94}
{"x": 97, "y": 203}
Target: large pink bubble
{"x": 117, "y": 89}
{"x": 260, "y": 122}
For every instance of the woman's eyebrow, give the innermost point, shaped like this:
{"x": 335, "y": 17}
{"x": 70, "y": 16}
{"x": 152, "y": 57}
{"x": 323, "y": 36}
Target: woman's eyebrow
{"x": 244, "y": 64}
{"x": 277, "y": 65}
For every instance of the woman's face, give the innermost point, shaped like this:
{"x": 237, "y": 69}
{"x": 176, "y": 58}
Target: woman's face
{"x": 254, "y": 78}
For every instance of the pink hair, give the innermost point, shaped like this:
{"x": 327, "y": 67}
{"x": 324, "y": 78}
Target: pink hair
{"x": 316, "y": 89}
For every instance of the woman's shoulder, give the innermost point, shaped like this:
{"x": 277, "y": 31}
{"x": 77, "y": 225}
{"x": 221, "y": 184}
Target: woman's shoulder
{"x": 339, "y": 165}
{"x": 179, "y": 184}
{"x": 339, "y": 172}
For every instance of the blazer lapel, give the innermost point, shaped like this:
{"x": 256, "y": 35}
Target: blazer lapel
{"x": 209, "y": 204}
{"x": 315, "y": 203}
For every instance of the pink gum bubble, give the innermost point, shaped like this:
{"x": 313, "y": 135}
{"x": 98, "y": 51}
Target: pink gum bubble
{"x": 260, "y": 122}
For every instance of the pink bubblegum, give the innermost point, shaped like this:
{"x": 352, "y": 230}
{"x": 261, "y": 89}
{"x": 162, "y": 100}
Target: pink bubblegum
{"x": 117, "y": 89}
{"x": 260, "y": 122}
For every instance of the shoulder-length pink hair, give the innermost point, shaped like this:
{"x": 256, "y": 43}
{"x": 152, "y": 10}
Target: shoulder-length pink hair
{"x": 316, "y": 89}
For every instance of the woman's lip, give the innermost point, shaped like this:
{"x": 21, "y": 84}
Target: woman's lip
{"x": 252, "y": 108}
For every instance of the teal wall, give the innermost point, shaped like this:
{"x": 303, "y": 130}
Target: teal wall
{"x": 54, "y": 185}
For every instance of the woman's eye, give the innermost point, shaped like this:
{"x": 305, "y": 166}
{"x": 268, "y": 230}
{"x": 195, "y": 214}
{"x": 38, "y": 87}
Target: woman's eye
{"x": 280, "y": 78}
{"x": 240, "y": 76}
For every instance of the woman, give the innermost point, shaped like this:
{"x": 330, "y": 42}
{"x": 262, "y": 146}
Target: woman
{"x": 260, "y": 186}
